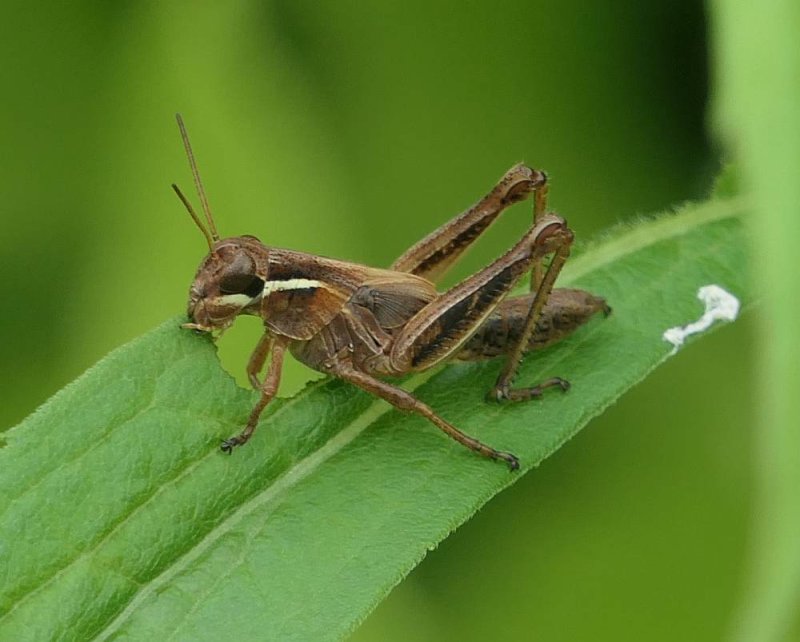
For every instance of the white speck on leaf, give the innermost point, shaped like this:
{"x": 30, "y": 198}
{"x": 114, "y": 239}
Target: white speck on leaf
{"x": 720, "y": 304}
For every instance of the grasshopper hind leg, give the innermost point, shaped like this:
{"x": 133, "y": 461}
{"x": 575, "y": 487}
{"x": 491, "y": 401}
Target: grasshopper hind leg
{"x": 565, "y": 311}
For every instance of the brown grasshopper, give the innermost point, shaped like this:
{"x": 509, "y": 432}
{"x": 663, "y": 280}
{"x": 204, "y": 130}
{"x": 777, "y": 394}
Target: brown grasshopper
{"x": 361, "y": 324}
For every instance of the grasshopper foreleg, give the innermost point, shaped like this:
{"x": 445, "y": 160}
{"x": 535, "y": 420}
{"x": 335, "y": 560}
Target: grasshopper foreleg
{"x": 257, "y": 359}
{"x": 268, "y": 388}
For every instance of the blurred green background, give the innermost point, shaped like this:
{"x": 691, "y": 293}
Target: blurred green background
{"x": 351, "y": 130}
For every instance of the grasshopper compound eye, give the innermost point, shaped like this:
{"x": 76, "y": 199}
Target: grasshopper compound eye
{"x": 240, "y": 278}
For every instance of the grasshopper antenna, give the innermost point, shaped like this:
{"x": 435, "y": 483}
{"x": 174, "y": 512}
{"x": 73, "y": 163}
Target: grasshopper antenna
{"x": 194, "y": 216}
{"x": 211, "y": 231}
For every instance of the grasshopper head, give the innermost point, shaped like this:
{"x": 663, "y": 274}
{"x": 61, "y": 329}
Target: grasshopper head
{"x": 229, "y": 282}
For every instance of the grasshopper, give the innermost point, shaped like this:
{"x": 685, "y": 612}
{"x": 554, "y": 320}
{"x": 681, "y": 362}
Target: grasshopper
{"x": 363, "y": 324}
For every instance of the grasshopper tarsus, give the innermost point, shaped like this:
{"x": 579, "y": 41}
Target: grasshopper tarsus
{"x": 556, "y": 382}
{"x": 502, "y": 393}
{"x": 510, "y": 459}
{"x": 228, "y": 445}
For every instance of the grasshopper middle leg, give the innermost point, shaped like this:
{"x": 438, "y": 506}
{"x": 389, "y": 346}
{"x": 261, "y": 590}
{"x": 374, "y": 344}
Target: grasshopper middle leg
{"x": 404, "y": 400}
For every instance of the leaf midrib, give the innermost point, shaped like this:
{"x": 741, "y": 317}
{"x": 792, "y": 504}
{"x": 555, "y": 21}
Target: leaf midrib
{"x": 633, "y": 239}
{"x": 293, "y": 475}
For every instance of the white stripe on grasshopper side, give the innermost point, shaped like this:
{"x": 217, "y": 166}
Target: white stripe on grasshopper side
{"x": 290, "y": 284}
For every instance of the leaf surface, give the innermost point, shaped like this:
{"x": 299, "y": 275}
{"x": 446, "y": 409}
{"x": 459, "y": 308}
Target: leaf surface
{"x": 120, "y": 518}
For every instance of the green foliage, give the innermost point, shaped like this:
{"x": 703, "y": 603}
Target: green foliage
{"x": 758, "y": 112}
{"x": 120, "y": 517}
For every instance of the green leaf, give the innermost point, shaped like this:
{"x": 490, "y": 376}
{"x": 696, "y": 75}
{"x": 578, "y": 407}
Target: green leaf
{"x": 757, "y": 97}
{"x": 120, "y": 517}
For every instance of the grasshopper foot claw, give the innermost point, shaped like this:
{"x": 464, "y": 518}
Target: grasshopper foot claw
{"x": 511, "y": 460}
{"x": 228, "y": 445}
